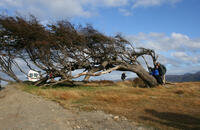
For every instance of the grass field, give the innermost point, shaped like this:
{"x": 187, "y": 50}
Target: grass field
{"x": 175, "y": 106}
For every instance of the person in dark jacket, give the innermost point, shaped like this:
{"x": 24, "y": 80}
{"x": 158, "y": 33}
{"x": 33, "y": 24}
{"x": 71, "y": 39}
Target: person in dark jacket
{"x": 123, "y": 76}
{"x": 162, "y": 71}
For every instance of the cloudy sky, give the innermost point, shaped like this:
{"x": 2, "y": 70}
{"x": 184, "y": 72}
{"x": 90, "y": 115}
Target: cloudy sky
{"x": 171, "y": 27}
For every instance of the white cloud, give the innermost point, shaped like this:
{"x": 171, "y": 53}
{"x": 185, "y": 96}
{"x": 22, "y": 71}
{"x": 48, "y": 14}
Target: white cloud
{"x": 185, "y": 57}
{"x": 125, "y": 12}
{"x": 16, "y": 3}
{"x": 74, "y": 8}
{"x": 147, "y": 3}
{"x": 60, "y": 8}
{"x": 176, "y": 50}
{"x": 114, "y": 2}
{"x": 162, "y": 42}
{"x": 46, "y": 8}
{"x": 107, "y": 3}
{"x": 179, "y": 54}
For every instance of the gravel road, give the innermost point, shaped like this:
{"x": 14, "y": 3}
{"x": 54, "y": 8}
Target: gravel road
{"x": 23, "y": 111}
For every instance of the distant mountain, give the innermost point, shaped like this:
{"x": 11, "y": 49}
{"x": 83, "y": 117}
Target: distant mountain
{"x": 188, "y": 77}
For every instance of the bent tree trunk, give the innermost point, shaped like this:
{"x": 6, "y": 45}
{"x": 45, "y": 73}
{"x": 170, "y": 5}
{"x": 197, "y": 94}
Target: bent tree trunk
{"x": 146, "y": 77}
{"x": 149, "y": 80}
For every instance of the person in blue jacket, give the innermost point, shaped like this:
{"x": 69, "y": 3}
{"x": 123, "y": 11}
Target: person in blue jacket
{"x": 155, "y": 72}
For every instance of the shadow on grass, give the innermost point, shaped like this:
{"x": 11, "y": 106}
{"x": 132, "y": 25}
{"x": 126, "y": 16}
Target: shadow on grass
{"x": 179, "y": 121}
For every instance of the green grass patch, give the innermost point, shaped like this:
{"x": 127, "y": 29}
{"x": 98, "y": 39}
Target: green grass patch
{"x": 29, "y": 88}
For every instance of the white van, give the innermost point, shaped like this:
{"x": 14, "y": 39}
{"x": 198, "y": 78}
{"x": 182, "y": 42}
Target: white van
{"x": 33, "y": 76}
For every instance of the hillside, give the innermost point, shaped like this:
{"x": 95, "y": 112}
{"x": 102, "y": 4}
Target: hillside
{"x": 188, "y": 77}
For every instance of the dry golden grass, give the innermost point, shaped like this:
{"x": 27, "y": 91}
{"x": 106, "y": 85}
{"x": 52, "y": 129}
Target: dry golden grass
{"x": 175, "y": 106}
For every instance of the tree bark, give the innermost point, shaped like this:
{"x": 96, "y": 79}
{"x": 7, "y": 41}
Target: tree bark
{"x": 86, "y": 78}
{"x": 148, "y": 79}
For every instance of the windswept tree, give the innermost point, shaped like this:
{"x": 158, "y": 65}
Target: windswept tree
{"x": 62, "y": 48}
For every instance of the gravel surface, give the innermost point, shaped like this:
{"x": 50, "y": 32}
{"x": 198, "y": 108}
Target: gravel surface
{"x": 23, "y": 111}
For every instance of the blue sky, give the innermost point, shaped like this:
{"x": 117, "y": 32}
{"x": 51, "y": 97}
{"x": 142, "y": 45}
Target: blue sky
{"x": 180, "y": 17}
{"x": 171, "y": 27}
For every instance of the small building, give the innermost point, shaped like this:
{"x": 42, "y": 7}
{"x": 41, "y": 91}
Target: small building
{"x": 33, "y": 76}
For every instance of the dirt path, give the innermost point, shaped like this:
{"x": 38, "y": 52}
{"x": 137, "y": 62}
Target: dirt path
{"x": 20, "y": 110}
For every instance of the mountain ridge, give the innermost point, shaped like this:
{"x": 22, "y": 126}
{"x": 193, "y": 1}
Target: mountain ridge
{"x": 187, "y": 77}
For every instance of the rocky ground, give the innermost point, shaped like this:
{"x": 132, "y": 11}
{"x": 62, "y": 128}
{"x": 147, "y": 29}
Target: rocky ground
{"x": 22, "y": 111}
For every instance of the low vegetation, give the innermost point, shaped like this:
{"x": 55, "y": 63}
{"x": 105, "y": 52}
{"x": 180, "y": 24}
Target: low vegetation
{"x": 174, "y": 106}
